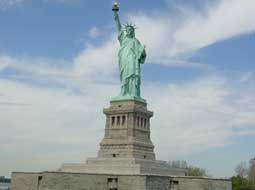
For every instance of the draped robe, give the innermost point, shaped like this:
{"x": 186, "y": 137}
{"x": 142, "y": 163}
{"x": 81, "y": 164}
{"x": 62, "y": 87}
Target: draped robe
{"x": 131, "y": 55}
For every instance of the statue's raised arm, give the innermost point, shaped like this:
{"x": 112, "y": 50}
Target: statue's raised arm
{"x": 115, "y": 10}
{"x": 117, "y": 20}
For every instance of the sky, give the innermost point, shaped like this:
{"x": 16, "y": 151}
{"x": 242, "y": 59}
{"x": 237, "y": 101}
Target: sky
{"x": 59, "y": 69}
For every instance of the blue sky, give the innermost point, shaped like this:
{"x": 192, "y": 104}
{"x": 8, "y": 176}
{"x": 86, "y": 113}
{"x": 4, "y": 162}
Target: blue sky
{"x": 58, "y": 69}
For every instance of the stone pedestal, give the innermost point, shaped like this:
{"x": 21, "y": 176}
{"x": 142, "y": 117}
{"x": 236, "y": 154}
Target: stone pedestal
{"x": 125, "y": 161}
{"x": 127, "y": 131}
{"x": 126, "y": 166}
{"x": 85, "y": 181}
{"x": 126, "y": 147}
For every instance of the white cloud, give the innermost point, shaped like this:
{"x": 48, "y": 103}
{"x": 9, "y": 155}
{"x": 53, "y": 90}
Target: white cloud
{"x": 168, "y": 36}
{"x": 5, "y": 4}
{"x": 3, "y": 63}
{"x": 200, "y": 115}
{"x": 70, "y": 2}
{"x": 37, "y": 69}
{"x": 189, "y": 117}
{"x": 44, "y": 121}
{"x": 94, "y": 32}
{"x": 250, "y": 76}
{"x": 226, "y": 20}
{"x": 25, "y": 64}
{"x": 97, "y": 61}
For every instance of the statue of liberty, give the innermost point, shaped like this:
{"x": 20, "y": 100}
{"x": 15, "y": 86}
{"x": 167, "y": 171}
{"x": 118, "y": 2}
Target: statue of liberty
{"x": 131, "y": 55}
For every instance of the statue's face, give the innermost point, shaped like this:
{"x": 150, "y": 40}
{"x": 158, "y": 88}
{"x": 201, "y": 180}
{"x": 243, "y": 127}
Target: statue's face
{"x": 130, "y": 32}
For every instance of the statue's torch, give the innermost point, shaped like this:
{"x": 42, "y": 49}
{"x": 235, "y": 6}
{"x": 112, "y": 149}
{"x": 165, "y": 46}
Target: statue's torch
{"x": 115, "y": 7}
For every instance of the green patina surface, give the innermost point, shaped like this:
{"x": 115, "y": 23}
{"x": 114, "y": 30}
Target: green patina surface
{"x": 131, "y": 55}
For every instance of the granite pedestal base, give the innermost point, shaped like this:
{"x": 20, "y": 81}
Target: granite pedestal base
{"x": 81, "y": 181}
{"x": 121, "y": 166}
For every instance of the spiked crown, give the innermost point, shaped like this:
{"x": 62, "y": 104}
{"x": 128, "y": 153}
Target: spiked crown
{"x": 127, "y": 25}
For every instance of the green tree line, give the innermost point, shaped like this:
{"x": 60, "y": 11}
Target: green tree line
{"x": 191, "y": 170}
{"x": 245, "y": 176}
{"x": 243, "y": 180}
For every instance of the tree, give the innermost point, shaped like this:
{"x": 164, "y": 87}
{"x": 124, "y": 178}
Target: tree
{"x": 240, "y": 183}
{"x": 196, "y": 171}
{"x": 178, "y": 164}
{"x": 245, "y": 177}
{"x": 252, "y": 174}
{"x": 242, "y": 169}
{"x": 191, "y": 170}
